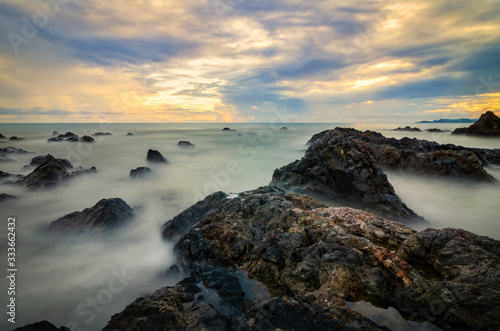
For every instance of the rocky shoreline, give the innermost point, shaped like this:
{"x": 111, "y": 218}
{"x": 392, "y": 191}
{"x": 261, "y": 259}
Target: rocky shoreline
{"x": 329, "y": 229}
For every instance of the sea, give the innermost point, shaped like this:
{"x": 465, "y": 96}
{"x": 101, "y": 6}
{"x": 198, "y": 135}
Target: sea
{"x": 82, "y": 282}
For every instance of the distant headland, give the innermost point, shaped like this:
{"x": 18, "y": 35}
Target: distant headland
{"x": 449, "y": 120}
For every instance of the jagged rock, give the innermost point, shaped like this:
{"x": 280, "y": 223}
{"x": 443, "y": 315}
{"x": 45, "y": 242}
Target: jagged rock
{"x": 155, "y": 156}
{"x": 14, "y": 138}
{"x": 265, "y": 259}
{"x": 184, "y": 143}
{"x": 50, "y": 173}
{"x": 106, "y": 215}
{"x": 177, "y": 227}
{"x": 41, "y": 326}
{"x": 140, "y": 172}
{"x": 407, "y": 128}
{"x": 71, "y": 137}
{"x": 37, "y": 160}
{"x": 5, "y": 196}
{"x": 487, "y": 125}
{"x": 102, "y": 134}
{"x": 130, "y": 134}
{"x": 338, "y": 170}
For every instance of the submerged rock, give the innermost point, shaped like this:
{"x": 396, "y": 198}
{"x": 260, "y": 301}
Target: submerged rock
{"x": 42, "y": 326}
{"x": 273, "y": 260}
{"x": 284, "y": 128}
{"x": 14, "y": 138}
{"x": 487, "y": 125}
{"x": 102, "y": 134}
{"x": 55, "y": 133}
{"x": 228, "y": 129}
{"x": 338, "y": 170}
{"x": 107, "y": 214}
{"x": 140, "y": 172}
{"x": 155, "y": 156}
{"x": 184, "y": 143}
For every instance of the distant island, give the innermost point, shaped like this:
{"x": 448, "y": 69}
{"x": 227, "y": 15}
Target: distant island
{"x": 446, "y": 120}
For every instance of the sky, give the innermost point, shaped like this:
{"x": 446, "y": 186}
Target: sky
{"x": 64, "y": 61}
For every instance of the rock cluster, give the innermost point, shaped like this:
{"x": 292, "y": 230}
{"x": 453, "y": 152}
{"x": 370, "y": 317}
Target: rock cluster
{"x": 71, "y": 137}
{"x": 408, "y": 129}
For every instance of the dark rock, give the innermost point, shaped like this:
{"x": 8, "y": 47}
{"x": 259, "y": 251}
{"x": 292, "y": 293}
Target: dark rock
{"x": 106, "y": 215}
{"x": 50, "y": 173}
{"x": 155, "y": 156}
{"x": 284, "y": 128}
{"x": 177, "y": 227}
{"x": 8, "y": 151}
{"x": 102, "y": 134}
{"x": 487, "y": 125}
{"x": 15, "y": 138}
{"x": 228, "y": 129}
{"x": 87, "y": 139}
{"x": 71, "y": 137}
{"x": 338, "y": 170}
{"x": 41, "y": 326}
{"x": 9, "y": 178}
{"x": 434, "y": 130}
{"x": 37, "y": 160}
{"x": 5, "y": 196}
{"x": 407, "y": 128}
{"x": 130, "y": 134}
{"x": 140, "y": 172}
{"x": 2, "y": 136}
{"x": 184, "y": 143}
{"x": 55, "y": 133}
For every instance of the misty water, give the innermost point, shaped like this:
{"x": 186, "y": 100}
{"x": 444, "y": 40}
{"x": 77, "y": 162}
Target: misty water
{"x": 82, "y": 282}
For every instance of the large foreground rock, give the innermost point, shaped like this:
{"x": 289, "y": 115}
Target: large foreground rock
{"x": 338, "y": 170}
{"x": 266, "y": 259}
{"x": 107, "y": 214}
{"x": 487, "y": 125}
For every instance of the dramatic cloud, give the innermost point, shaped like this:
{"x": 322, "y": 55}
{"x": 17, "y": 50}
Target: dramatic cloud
{"x": 235, "y": 61}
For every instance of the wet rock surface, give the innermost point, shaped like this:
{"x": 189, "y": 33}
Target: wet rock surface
{"x": 106, "y": 215}
{"x": 337, "y": 169}
{"x": 155, "y": 157}
{"x": 311, "y": 258}
{"x": 487, "y": 125}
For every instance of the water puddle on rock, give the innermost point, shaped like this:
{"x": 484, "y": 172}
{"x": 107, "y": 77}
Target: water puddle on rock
{"x": 390, "y": 317}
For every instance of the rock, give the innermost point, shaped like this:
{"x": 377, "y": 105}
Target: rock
{"x": 87, "y": 139}
{"x": 37, "y": 160}
{"x": 71, "y": 137}
{"x": 9, "y": 178}
{"x": 284, "y": 128}
{"x": 155, "y": 156}
{"x": 2, "y": 136}
{"x": 184, "y": 143}
{"x": 177, "y": 227}
{"x": 106, "y": 215}
{"x": 337, "y": 170}
{"x": 102, "y": 134}
{"x": 50, "y": 173}
{"x": 228, "y": 129}
{"x": 422, "y": 157}
{"x": 55, "y": 133}
{"x": 41, "y": 326}
{"x": 8, "y": 151}
{"x": 487, "y": 125}
{"x": 5, "y": 196}
{"x": 130, "y": 134}
{"x": 273, "y": 260}
{"x": 14, "y": 138}
{"x": 140, "y": 172}
{"x": 434, "y": 130}
{"x": 407, "y": 128}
